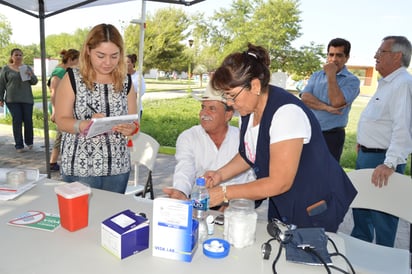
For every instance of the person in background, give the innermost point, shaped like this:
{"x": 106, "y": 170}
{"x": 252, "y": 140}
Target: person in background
{"x": 100, "y": 87}
{"x": 139, "y": 85}
{"x": 70, "y": 58}
{"x": 16, "y": 80}
{"x": 209, "y": 145}
{"x": 330, "y": 93}
{"x": 384, "y": 135}
{"x": 281, "y": 139}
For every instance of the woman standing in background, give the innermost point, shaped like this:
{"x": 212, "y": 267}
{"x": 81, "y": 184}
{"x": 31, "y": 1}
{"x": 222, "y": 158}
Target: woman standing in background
{"x": 70, "y": 58}
{"x": 16, "y": 80}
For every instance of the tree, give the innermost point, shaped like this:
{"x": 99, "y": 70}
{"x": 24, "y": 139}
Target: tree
{"x": 273, "y": 24}
{"x": 5, "y": 35}
{"x": 30, "y": 52}
{"x": 200, "y": 70}
{"x": 55, "y": 43}
{"x": 305, "y": 61}
{"x": 165, "y": 34}
{"x": 5, "y": 31}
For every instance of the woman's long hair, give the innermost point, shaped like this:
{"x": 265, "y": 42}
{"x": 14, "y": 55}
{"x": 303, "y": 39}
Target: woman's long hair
{"x": 99, "y": 34}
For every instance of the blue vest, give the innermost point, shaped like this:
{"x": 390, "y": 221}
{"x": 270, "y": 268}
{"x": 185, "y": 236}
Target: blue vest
{"x": 319, "y": 175}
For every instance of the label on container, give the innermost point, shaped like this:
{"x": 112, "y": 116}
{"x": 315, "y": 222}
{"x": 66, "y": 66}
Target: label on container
{"x": 201, "y": 204}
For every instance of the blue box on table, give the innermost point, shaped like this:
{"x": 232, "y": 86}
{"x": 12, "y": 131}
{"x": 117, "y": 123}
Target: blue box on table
{"x": 125, "y": 234}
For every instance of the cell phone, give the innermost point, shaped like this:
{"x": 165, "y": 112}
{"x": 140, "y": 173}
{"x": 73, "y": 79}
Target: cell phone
{"x": 220, "y": 219}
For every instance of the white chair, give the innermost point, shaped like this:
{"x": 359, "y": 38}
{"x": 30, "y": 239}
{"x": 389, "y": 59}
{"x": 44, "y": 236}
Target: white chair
{"x": 395, "y": 199}
{"x": 144, "y": 152}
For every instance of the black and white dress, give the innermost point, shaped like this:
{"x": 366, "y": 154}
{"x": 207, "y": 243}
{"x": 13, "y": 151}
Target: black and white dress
{"x": 103, "y": 155}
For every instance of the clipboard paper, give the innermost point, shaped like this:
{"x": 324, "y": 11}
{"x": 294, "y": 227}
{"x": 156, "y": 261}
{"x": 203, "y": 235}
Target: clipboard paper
{"x": 102, "y": 125}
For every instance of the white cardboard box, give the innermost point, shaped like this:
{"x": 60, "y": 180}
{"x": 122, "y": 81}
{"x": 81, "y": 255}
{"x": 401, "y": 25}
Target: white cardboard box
{"x": 175, "y": 234}
{"x": 125, "y": 234}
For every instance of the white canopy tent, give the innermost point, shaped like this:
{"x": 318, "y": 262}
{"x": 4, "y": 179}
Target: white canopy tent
{"x": 43, "y": 9}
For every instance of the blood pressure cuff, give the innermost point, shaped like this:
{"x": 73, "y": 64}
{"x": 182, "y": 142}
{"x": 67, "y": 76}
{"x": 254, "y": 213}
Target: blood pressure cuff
{"x": 306, "y": 245}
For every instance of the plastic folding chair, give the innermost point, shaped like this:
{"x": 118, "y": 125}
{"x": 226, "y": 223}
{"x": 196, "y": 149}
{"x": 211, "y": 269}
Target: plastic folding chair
{"x": 395, "y": 199}
{"x": 143, "y": 153}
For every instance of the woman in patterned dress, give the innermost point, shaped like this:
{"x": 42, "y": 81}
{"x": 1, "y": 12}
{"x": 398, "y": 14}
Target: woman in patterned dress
{"x": 100, "y": 87}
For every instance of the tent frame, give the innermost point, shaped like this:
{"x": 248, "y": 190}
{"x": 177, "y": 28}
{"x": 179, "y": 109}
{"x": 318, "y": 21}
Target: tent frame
{"x": 42, "y": 16}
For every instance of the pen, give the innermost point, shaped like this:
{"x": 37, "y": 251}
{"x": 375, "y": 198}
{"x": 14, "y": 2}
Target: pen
{"x": 91, "y": 108}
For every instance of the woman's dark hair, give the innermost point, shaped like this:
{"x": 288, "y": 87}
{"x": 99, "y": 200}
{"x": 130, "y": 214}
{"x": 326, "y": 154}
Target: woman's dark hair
{"x": 240, "y": 68}
{"x": 70, "y": 54}
{"x": 133, "y": 58}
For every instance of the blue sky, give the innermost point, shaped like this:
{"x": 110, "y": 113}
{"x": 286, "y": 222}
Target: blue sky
{"x": 363, "y": 22}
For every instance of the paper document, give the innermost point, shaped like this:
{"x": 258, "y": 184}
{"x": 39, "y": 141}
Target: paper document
{"x": 24, "y": 69}
{"x": 103, "y": 125}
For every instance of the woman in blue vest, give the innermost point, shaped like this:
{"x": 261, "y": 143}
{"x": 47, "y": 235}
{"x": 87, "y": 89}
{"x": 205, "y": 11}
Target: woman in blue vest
{"x": 282, "y": 141}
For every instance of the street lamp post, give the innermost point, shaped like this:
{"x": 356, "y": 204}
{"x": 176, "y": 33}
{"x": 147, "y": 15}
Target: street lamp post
{"x": 189, "y": 76}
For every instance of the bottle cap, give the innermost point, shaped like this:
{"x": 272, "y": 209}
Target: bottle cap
{"x": 200, "y": 181}
{"x": 216, "y": 248}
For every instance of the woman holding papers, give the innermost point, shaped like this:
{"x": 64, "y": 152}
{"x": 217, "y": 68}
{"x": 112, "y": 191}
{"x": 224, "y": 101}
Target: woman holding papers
{"x": 17, "y": 79}
{"x": 99, "y": 88}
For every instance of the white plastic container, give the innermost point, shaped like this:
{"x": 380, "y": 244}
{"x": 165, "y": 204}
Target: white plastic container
{"x": 240, "y": 223}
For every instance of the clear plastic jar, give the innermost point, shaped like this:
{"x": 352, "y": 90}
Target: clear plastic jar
{"x": 240, "y": 223}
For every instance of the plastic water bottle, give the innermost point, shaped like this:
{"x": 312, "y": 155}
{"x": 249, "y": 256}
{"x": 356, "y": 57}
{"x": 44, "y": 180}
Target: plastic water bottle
{"x": 200, "y": 202}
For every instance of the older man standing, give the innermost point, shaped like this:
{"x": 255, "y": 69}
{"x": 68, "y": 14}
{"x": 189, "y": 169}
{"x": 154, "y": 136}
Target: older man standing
{"x": 384, "y": 134}
{"x": 207, "y": 146}
{"x": 330, "y": 93}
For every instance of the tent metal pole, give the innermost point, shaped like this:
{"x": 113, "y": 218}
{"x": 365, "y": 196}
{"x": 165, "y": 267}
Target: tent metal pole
{"x": 141, "y": 48}
{"x": 44, "y": 86}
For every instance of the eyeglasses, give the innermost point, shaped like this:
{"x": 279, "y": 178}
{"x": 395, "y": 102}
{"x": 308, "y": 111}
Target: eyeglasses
{"x": 380, "y": 52}
{"x": 232, "y": 99}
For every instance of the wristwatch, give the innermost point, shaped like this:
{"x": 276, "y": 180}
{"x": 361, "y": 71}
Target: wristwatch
{"x": 390, "y": 165}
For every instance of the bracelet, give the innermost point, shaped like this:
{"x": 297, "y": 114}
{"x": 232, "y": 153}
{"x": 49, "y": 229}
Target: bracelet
{"x": 225, "y": 200}
{"x": 76, "y": 126}
{"x": 137, "y": 127}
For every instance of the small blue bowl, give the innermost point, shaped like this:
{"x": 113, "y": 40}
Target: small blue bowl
{"x": 216, "y": 248}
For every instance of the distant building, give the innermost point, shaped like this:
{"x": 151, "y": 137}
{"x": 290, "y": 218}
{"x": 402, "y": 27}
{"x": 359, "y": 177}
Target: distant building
{"x": 368, "y": 77}
{"x": 50, "y": 65}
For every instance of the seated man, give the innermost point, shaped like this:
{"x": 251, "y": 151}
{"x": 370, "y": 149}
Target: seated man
{"x": 207, "y": 146}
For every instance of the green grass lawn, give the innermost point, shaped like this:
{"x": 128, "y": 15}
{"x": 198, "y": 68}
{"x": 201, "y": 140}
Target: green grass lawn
{"x": 166, "y": 119}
